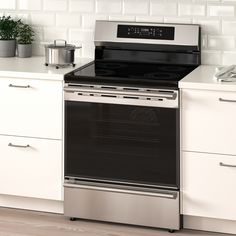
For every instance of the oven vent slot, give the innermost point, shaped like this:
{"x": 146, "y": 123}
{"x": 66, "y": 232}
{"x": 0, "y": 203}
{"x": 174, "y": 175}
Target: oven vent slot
{"x": 131, "y": 89}
{"x": 108, "y": 87}
{"x": 109, "y": 96}
{"x": 84, "y": 86}
{"x": 130, "y": 97}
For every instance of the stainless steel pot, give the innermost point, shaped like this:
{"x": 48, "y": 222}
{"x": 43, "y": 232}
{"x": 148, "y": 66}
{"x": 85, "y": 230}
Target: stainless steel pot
{"x": 60, "y": 54}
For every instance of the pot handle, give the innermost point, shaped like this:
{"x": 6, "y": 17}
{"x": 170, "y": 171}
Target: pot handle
{"x": 58, "y": 40}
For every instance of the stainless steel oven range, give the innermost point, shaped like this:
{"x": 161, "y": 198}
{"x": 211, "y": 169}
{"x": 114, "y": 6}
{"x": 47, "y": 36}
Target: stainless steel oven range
{"x": 122, "y": 139}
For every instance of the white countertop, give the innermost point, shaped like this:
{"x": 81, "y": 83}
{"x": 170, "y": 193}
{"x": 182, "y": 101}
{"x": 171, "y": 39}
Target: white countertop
{"x": 34, "y": 67}
{"x": 203, "y": 78}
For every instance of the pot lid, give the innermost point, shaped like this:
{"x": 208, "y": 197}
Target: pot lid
{"x": 62, "y": 45}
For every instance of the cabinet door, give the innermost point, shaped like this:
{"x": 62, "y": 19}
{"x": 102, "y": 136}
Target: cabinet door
{"x": 31, "y": 167}
{"x": 31, "y": 107}
{"x": 209, "y": 185}
{"x": 208, "y": 120}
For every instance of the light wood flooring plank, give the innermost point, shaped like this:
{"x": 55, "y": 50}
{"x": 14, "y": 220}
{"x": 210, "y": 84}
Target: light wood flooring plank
{"x": 28, "y": 223}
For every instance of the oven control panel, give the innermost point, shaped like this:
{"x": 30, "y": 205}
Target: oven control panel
{"x": 146, "y": 32}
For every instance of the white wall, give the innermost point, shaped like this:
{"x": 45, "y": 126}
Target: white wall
{"x": 74, "y": 20}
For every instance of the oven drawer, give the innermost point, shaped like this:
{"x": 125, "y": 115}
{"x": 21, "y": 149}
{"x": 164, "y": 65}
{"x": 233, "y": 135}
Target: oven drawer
{"x": 209, "y": 185}
{"x": 31, "y": 107}
{"x": 31, "y": 167}
{"x": 208, "y": 121}
{"x": 159, "y": 209}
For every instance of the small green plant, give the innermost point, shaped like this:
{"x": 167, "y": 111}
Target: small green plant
{"x": 25, "y": 34}
{"x": 8, "y": 28}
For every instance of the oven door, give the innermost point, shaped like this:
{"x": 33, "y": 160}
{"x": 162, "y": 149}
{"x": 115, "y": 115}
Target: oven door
{"x": 121, "y": 143}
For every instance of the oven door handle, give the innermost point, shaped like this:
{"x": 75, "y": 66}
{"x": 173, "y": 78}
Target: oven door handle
{"x": 161, "y": 194}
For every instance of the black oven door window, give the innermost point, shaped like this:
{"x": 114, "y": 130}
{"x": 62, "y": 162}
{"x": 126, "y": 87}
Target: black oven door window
{"x": 122, "y": 143}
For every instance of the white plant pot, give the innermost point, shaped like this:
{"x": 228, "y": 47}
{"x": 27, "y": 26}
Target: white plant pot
{"x": 7, "y": 48}
{"x": 24, "y": 50}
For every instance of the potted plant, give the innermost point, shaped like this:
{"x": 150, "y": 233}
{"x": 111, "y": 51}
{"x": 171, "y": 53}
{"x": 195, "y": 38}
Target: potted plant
{"x": 24, "y": 40}
{"x": 8, "y": 34}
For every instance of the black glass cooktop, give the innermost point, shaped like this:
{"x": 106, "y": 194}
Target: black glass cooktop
{"x": 130, "y": 74}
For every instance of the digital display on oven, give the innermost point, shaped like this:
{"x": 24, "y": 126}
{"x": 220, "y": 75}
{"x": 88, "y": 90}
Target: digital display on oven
{"x": 146, "y": 32}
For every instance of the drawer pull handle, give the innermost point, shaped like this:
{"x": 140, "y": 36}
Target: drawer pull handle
{"x": 164, "y": 194}
{"x": 19, "y": 146}
{"x": 226, "y": 100}
{"x": 19, "y": 86}
{"x": 226, "y": 165}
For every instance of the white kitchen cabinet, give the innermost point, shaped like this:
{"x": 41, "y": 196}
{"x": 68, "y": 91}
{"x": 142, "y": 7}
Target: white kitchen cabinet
{"x": 209, "y": 185}
{"x": 31, "y": 167}
{"x": 31, "y": 123}
{"x": 208, "y": 154}
{"x": 31, "y": 108}
{"x": 208, "y": 121}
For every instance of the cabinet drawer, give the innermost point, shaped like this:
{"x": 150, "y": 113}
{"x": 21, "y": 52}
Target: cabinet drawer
{"x": 31, "y": 108}
{"x": 31, "y": 167}
{"x": 209, "y": 186}
{"x": 208, "y": 120}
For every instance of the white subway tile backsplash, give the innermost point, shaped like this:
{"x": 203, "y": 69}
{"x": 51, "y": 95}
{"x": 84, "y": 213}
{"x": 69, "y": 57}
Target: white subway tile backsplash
{"x": 109, "y": 6}
{"x": 51, "y": 34}
{"x": 82, "y": 6}
{"x": 88, "y": 20}
{"x": 180, "y": 20}
{"x": 161, "y": 8}
{"x": 7, "y": 4}
{"x": 38, "y": 49}
{"x": 74, "y": 20}
{"x": 88, "y": 50}
{"x": 211, "y": 57}
{"x": 136, "y": 7}
{"x": 43, "y": 19}
{"x": 55, "y": 5}
{"x": 68, "y": 20}
{"x": 229, "y": 27}
{"x": 188, "y": 9}
{"x": 220, "y": 10}
{"x": 122, "y": 18}
{"x": 221, "y": 42}
{"x": 23, "y": 16}
{"x": 204, "y": 42}
{"x": 38, "y": 37}
{"x": 30, "y": 5}
{"x": 209, "y": 26}
{"x": 229, "y": 58}
{"x": 154, "y": 19}
{"x": 81, "y": 35}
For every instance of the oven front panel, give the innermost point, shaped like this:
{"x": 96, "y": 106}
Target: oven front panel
{"x": 122, "y": 143}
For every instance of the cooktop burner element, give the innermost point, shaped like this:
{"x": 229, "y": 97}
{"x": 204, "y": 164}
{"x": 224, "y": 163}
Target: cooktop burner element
{"x": 171, "y": 68}
{"x": 160, "y": 76}
{"x": 111, "y": 65}
{"x": 104, "y": 72}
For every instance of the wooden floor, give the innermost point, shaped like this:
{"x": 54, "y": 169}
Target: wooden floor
{"x": 28, "y": 223}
